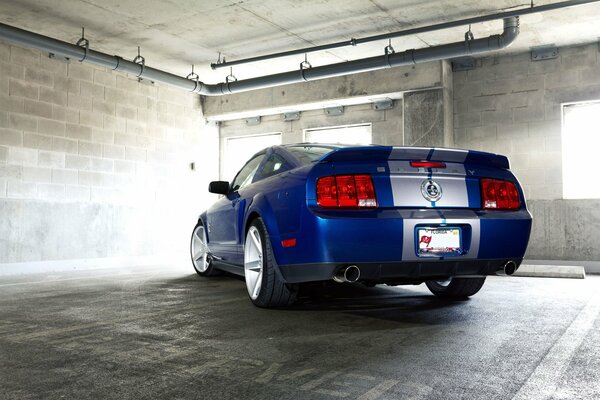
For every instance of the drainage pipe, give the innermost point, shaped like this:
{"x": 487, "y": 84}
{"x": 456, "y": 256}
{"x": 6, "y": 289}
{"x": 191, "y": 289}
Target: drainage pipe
{"x": 408, "y": 32}
{"x": 409, "y": 57}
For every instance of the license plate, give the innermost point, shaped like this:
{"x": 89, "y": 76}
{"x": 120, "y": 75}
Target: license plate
{"x": 439, "y": 242}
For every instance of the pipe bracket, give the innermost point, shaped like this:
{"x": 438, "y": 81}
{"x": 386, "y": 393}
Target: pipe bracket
{"x": 193, "y": 76}
{"x": 141, "y": 61}
{"x": 231, "y": 77}
{"x": 389, "y": 49}
{"x": 85, "y": 45}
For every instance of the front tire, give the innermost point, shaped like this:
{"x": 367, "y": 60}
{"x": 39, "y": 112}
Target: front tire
{"x": 264, "y": 284}
{"x": 199, "y": 251}
{"x": 455, "y": 288}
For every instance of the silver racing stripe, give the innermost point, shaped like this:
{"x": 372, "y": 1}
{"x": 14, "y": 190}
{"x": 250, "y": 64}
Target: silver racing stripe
{"x": 406, "y": 182}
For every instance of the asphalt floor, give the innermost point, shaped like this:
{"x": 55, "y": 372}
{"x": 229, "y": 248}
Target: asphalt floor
{"x": 165, "y": 333}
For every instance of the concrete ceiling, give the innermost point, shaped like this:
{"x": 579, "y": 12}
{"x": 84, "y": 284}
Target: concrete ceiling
{"x": 174, "y": 34}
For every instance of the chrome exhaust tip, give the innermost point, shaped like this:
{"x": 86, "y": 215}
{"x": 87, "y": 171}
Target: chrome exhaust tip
{"x": 509, "y": 268}
{"x": 349, "y": 274}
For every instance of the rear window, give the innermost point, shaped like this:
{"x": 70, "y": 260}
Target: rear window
{"x": 309, "y": 154}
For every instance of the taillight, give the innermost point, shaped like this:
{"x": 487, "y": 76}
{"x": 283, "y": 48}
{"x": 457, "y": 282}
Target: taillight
{"x": 327, "y": 192}
{"x": 346, "y": 191}
{"x": 499, "y": 195}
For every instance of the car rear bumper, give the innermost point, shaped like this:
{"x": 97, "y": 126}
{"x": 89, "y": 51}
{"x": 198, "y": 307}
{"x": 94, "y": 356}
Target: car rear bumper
{"x": 385, "y": 240}
{"x": 399, "y": 272}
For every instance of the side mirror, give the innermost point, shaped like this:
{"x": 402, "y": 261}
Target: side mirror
{"x": 219, "y": 187}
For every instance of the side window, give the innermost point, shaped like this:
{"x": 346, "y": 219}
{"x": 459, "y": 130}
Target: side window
{"x": 244, "y": 177}
{"x": 274, "y": 165}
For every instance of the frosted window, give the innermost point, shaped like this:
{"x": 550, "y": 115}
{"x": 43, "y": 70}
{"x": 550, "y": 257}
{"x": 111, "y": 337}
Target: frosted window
{"x": 354, "y": 134}
{"x": 238, "y": 151}
{"x": 580, "y": 144}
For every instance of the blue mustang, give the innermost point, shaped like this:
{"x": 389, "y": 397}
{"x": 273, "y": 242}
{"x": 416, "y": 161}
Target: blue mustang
{"x": 375, "y": 214}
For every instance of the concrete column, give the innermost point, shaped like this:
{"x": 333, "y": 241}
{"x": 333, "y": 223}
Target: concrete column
{"x": 424, "y": 118}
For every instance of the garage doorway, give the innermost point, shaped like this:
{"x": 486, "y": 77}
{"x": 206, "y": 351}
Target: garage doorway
{"x": 347, "y": 134}
{"x": 239, "y": 149}
{"x": 580, "y": 143}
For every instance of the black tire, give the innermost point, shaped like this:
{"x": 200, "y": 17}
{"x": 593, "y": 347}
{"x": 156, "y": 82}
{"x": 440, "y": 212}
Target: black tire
{"x": 210, "y": 269}
{"x": 457, "y": 288}
{"x": 274, "y": 292}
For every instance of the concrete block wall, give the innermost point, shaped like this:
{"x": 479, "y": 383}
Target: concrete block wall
{"x": 512, "y": 105}
{"x": 99, "y": 152}
{"x": 387, "y": 125}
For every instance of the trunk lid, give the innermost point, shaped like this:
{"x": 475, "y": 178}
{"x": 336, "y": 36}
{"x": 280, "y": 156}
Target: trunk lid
{"x": 400, "y": 184}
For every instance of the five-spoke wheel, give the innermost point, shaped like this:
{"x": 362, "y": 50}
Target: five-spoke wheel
{"x": 253, "y": 262}
{"x": 199, "y": 252}
{"x": 265, "y": 286}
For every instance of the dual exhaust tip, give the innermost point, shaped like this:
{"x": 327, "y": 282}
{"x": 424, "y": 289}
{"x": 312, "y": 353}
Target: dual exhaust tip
{"x": 349, "y": 274}
{"x": 509, "y": 268}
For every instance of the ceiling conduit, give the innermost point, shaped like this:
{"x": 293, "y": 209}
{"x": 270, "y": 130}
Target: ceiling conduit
{"x": 459, "y": 49}
{"x": 533, "y": 9}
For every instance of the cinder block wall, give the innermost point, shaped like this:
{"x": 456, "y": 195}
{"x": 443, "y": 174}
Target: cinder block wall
{"x": 512, "y": 105}
{"x": 386, "y": 125}
{"x": 404, "y": 124}
{"x": 94, "y": 164}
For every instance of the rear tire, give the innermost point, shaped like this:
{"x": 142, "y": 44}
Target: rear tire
{"x": 199, "y": 252}
{"x": 264, "y": 284}
{"x": 455, "y": 288}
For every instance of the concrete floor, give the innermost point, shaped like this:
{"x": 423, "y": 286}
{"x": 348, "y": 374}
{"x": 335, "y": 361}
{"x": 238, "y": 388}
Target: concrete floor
{"x": 160, "y": 333}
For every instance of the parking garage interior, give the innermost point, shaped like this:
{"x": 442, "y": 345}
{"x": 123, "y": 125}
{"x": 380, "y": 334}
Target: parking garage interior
{"x": 104, "y": 170}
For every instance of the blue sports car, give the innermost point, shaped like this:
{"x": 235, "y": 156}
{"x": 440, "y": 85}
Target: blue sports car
{"x": 373, "y": 214}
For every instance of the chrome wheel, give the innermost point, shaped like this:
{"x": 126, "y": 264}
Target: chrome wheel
{"x": 253, "y": 262}
{"x": 444, "y": 283}
{"x": 200, "y": 249}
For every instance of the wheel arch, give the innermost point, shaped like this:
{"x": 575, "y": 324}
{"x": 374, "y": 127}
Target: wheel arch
{"x": 260, "y": 208}
{"x": 202, "y": 218}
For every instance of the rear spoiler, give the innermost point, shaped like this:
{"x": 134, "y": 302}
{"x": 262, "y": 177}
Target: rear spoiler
{"x": 389, "y": 153}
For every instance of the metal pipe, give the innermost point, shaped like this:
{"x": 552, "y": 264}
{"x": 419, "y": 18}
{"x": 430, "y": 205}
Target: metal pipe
{"x": 407, "y": 32}
{"x": 409, "y": 57}
{"x": 75, "y": 52}
{"x": 458, "y": 49}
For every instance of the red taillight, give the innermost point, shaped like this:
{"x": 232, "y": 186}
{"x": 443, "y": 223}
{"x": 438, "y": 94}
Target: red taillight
{"x": 346, "y": 191}
{"x": 365, "y": 192}
{"x": 427, "y": 164}
{"x": 327, "y": 192}
{"x": 499, "y": 195}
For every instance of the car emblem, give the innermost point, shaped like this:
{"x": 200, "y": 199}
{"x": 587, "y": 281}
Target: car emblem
{"x": 431, "y": 190}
